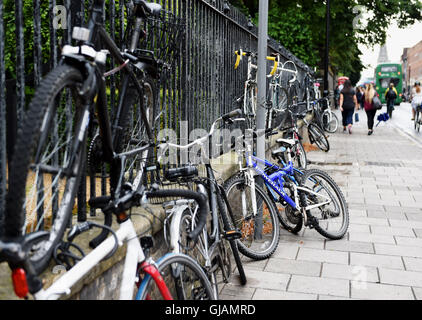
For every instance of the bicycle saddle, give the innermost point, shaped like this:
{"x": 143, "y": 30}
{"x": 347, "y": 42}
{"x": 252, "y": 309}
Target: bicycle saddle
{"x": 278, "y": 151}
{"x": 286, "y": 142}
{"x": 150, "y": 7}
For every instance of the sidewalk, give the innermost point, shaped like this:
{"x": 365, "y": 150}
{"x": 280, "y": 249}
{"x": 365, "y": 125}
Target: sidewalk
{"x": 381, "y": 256}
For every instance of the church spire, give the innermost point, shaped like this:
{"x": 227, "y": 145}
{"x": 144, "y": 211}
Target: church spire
{"x": 383, "y": 55}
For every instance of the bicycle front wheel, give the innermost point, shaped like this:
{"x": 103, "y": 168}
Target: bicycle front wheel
{"x": 331, "y": 218}
{"x": 330, "y": 121}
{"x": 182, "y": 275}
{"x": 260, "y": 232}
{"x": 318, "y": 137}
{"x": 44, "y": 173}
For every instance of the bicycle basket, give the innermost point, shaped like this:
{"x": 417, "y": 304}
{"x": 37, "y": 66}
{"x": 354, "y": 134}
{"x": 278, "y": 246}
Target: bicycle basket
{"x": 164, "y": 36}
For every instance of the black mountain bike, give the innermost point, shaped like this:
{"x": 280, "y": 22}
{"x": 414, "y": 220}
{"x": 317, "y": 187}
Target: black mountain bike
{"x": 220, "y": 240}
{"x": 51, "y": 143}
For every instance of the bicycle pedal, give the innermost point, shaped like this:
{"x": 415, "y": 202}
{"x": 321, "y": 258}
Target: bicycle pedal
{"x": 232, "y": 234}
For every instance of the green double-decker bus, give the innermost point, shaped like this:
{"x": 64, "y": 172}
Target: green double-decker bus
{"x": 386, "y": 73}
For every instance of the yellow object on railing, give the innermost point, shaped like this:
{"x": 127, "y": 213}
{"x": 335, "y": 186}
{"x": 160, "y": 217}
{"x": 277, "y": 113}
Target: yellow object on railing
{"x": 273, "y": 71}
{"x": 238, "y": 57}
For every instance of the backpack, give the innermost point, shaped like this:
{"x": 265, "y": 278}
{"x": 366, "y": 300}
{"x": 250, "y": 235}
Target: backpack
{"x": 391, "y": 94}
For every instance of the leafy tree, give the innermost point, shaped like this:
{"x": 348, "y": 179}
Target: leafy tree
{"x": 300, "y": 26}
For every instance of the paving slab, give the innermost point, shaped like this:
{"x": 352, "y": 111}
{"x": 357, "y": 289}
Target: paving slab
{"x": 264, "y": 294}
{"x": 376, "y": 260}
{"x": 380, "y": 257}
{"x": 317, "y": 285}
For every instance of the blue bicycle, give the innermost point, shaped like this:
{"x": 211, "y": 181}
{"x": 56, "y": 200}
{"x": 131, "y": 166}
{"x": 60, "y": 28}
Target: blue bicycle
{"x": 309, "y": 198}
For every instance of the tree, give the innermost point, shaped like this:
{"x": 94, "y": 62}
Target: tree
{"x": 300, "y": 26}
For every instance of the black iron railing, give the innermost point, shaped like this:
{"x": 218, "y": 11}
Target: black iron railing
{"x": 202, "y": 86}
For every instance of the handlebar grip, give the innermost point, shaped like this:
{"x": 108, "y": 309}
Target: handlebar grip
{"x": 232, "y": 114}
{"x": 273, "y": 71}
{"x": 200, "y": 198}
{"x": 238, "y": 58}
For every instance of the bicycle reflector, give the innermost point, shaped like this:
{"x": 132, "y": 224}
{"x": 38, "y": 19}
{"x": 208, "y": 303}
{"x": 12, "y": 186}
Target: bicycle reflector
{"x": 19, "y": 282}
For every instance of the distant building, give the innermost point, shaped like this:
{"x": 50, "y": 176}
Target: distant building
{"x": 412, "y": 65}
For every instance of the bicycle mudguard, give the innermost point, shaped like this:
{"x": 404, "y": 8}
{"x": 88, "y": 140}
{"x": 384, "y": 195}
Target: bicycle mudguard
{"x": 152, "y": 271}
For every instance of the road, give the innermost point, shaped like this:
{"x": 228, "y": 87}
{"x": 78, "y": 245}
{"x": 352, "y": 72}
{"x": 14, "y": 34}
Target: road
{"x": 402, "y": 120}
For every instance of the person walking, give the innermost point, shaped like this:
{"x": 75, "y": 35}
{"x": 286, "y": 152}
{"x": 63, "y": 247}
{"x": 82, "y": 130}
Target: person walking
{"x": 336, "y": 96}
{"x": 370, "y": 110}
{"x": 416, "y": 98}
{"x": 360, "y": 94}
{"x": 390, "y": 97}
{"x": 348, "y": 103}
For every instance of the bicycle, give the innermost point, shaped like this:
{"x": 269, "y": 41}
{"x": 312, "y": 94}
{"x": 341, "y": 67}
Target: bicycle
{"x": 315, "y": 133}
{"x": 41, "y": 145}
{"x": 418, "y": 118}
{"x": 251, "y": 86}
{"x": 323, "y": 115}
{"x": 278, "y": 95}
{"x": 302, "y": 193}
{"x": 181, "y": 270}
{"x": 211, "y": 246}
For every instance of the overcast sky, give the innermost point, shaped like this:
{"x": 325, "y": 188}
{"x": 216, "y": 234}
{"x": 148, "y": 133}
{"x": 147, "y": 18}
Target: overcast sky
{"x": 397, "y": 40}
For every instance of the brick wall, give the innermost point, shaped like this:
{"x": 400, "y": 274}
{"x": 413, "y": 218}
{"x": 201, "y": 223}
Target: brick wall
{"x": 415, "y": 63}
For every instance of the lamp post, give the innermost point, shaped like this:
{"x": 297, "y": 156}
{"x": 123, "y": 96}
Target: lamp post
{"x": 327, "y": 48}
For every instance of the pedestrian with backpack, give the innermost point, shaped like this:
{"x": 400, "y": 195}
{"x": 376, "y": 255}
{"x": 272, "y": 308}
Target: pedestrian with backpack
{"x": 390, "y": 97}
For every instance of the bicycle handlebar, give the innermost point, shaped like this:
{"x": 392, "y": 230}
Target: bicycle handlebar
{"x": 232, "y": 114}
{"x": 275, "y": 58}
{"x": 200, "y": 198}
{"x": 228, "y": 117}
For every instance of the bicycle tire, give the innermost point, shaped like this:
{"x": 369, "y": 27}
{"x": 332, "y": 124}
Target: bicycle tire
{"x": 255, "y": 249}
{"x": 330, "y": 121}
{"x": 147, "y": 289}
{"x": 320, "y": 179}
{"x": 318, "y": 137}
{"x": 35, "y": 127}
{"x": 280, "y": 102}
{"x": 299, "y": 154}
{"x": 133, "y": 134}
{"x": 185, "y": 247}
{"x": 228, "y": 225}
{"x": 293, "y": 94}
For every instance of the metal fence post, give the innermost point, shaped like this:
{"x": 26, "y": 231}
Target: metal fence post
{"x": 2, "y": 121}
{"x": 262, "y": 93}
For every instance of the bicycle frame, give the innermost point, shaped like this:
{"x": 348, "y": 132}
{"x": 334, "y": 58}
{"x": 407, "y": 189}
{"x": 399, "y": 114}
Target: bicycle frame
{"x": 134, "y": 255}
{"x": 276, "y": 180}
{"x": 88, "y": 37}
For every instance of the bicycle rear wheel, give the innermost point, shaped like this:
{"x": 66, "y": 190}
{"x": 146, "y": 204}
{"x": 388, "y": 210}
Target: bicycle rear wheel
{"x": 44, "y": 173}
{"x": 132, "y": 133}
{"x": 183, "y": 276}
{"x": 418, "y": 119}
{"x": 332, "y": 219}
{"x": 280, "y": 102}
{"x": 260, "y": 233}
